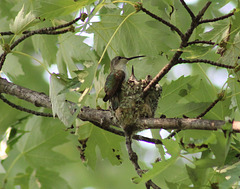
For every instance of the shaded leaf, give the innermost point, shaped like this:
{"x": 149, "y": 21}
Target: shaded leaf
{"x": 231, "y": 55}
{"x": 55, "y": 8}
{"x": 108, "y": 143}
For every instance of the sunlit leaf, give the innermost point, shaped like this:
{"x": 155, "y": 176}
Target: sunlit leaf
{"x": 22, "y": 23}
{"x": 60, "y": 107}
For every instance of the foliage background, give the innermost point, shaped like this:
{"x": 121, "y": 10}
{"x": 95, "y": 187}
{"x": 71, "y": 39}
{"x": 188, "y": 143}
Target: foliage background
{"x": 43, "y": 154}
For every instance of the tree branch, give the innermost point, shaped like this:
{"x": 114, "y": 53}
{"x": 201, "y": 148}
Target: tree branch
{"x": 188, "y": 9}
{"x": 194, "y": 24}
{"x": 24, "y": 109}
{"x": 134, "y": 159}
{"x": 82, "y": 17}
{"x": 100, "y": 118}
{"x": 208, "y": 109}
{"x": 47, "y": 31}
{"x": 182, "y": 61}
{"x": 201, "y": 42}
{"x": 171, "y": 26}
{"x": 218, "y": 18}
{"x": 177, "y": 55}
{"x": 185, "y": 123}
{"x": 104, "y": 118}
{"x": 117, "y": 131}
{"x": 2, "y": 59}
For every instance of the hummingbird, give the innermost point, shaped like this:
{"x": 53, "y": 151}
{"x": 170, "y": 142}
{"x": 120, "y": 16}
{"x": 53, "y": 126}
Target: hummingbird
{"x": 115, "y": 79}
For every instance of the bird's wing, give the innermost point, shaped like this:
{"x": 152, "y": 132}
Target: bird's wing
{"x": 113, "y": 84}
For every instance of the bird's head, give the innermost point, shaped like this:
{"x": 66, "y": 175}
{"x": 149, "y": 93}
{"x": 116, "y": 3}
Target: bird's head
{"x": 119, "y": 62}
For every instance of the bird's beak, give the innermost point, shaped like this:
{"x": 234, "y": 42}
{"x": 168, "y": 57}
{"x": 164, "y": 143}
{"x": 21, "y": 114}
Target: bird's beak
{"x": 134, "y": 57}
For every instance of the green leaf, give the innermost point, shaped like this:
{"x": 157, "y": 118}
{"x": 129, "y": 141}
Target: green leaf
{"x": 193, "y": 141}
{"x": 131, "y": 39}
{"x": 173, "y": 93}
{"x": 55, "y": 8}
{"x": 200, "y": 176}
{"x": 99, "y": 83}
{"x": 40, "y": 179}
{"x": 60, "y": 107}
{"x": 195, "y": 51}
{"x": 231, "y": 55}
{"x": 47, "y": 46}
{"x": 68, "y": 56}
{"x": 108, "y": 143}
{"x": 232, "y": 173}
{"x": 21, "y": 22}
{"x": 221, "y": 148}
{"x": 218, "y": 32}
{"x": 35, "y": 148}
{"x": 14, "y": 68}
{"x": 159, "y": 167}
{"x": 44, "y": 176}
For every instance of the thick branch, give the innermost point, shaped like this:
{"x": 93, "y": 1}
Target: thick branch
{"x": 100, "y": 118}
{"x": 36, "y": 98}
{"x": 179, "y": 123}
{"x": 104, "y": 117}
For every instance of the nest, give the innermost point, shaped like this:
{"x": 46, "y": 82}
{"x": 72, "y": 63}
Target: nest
{"x": 134, "y": 104}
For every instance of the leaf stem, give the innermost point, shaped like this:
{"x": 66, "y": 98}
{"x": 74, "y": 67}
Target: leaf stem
{"x": 29, "y": 56}
{"x": 110, "y": 40}
{"x": 129, "y": 2}
{"x": 235, "y": 148}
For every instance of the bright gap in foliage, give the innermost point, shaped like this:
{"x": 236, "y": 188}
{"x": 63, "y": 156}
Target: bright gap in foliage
{"x": 218, "y": 76}
{"x": 227, "y": 8}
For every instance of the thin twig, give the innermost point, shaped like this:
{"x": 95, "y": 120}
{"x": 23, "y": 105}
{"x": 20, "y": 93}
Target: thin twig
{"x": 6, "y": 33}
{"x": 29, "y": 34}
{"x": 174, "y": 28}
{"x": 218, "y": 18}
{"x": 24, "y": 109}
{"x": 52, "y": 28}
{"x": 121, "y": 133}
{"x": 163, "y": 72}
{"x": 2, "y": 59}
{"x": 132, "y": 155}
{"x": 134, "y": 159}
{"x": 208, "y": 109}
{"x": 173, "y": 133}
{"x": 194, "y": 24}
{"x": 201, "y": 42}
{"x": 188, "y": 9}
{"x": 40, "y": 31}
{"x": 182, "y": 61}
